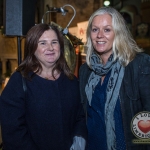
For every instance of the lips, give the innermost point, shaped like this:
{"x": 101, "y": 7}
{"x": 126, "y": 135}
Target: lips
{"x": 50, "y": 54}
{"x": 101, "y": 42}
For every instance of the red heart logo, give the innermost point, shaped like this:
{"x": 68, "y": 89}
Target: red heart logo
{"x": 144, "y": 126}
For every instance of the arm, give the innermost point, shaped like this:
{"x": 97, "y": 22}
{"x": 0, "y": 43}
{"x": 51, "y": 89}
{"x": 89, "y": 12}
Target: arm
{"x": 15, "y": 134}
{"x": 144, "y": 83}
{"x": 84, "y": 73}
{"x": 80, "y": 129}
{"x": 80, "y": 132}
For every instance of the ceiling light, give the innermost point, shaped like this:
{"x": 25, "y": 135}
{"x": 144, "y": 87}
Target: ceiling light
{"x": 106, "y": 3}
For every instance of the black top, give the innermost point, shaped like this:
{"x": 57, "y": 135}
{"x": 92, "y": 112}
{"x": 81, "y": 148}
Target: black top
{"x": 49, "y": 117}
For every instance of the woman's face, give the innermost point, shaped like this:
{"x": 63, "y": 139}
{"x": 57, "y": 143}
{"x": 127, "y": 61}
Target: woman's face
{"x": 102, "y": 34}
{"x": 48, "y": 50}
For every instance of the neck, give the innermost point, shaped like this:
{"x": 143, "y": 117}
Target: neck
{"x": 48, "y": 75}
{"x": 104, "y": 58}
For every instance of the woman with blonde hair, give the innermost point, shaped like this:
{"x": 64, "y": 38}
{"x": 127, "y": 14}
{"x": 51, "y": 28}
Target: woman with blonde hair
{"x": 114, "y": 82}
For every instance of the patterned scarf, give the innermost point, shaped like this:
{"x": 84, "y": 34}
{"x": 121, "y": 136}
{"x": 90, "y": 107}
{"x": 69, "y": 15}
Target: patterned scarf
{"x": 112, "y": 91}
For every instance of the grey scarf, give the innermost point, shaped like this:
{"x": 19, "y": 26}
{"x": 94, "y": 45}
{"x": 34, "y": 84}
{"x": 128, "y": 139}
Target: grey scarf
{"x": 112, "y": 91}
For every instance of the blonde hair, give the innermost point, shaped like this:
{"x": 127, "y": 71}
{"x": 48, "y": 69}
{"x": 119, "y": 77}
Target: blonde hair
{"x": 124, "y": 47}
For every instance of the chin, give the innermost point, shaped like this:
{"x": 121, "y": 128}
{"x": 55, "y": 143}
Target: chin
{"x": 100, "y": 52}
{"x": 107, "y": 52}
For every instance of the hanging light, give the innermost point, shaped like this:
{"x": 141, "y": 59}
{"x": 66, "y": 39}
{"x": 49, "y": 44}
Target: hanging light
{"x": 106, "y": 3}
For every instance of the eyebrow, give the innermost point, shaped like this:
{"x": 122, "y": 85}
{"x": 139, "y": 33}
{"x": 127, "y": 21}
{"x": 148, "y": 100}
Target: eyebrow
{"x": 98, "y": 27}
{"x": 46, "y": 40}
{"x": 41, "y": 41}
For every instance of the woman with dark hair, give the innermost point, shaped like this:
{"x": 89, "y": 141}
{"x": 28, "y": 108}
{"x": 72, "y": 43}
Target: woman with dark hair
{"x": 40, "y": 106}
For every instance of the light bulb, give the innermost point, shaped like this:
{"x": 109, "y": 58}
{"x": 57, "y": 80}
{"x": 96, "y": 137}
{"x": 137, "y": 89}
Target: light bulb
{"x": 106, "y": 3}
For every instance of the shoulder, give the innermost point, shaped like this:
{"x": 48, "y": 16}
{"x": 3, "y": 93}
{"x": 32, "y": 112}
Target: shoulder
{"x": 66, "y": 80}
{"x": 75, "y": 80}
{"x": 141, "y": 62}
{"x": 15, "y": 77}
{"x": 144, "y": 63}
{"x": 16, "y": 74}
{"x": 83, "y": 67}
{"x": 84, "y": 73}
{"x": 84, "y": 70}
{"x": 14, "y": 85}
{"x": 142, "y": 57}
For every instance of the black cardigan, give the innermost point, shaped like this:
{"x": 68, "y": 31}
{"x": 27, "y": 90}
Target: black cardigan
{"x": 47, "y": 118}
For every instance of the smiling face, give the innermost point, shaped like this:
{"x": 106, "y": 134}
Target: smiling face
{"x": 48, "y": 49}
{"x": 102, "y": 35}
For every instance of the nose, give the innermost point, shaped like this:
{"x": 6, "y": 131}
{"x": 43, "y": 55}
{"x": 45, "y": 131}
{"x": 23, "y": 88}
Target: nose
{"x": 50, "y": 47}
{"x": 100, "y": 34}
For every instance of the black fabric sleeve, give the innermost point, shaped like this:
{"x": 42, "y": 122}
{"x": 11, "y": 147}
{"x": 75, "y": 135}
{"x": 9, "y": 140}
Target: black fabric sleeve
{"x": 144, "y": 83}
{"x": 80, "y": 125}
{"x": 84, "y": 73}
{"x": 15, "y": 134}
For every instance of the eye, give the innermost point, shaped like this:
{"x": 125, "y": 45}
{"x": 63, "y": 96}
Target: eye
{"x": 107, "y": 30}
{"x": 55, "y": 42}
{"x": 42, "y": 43}
{"x": 94, "y": 29}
